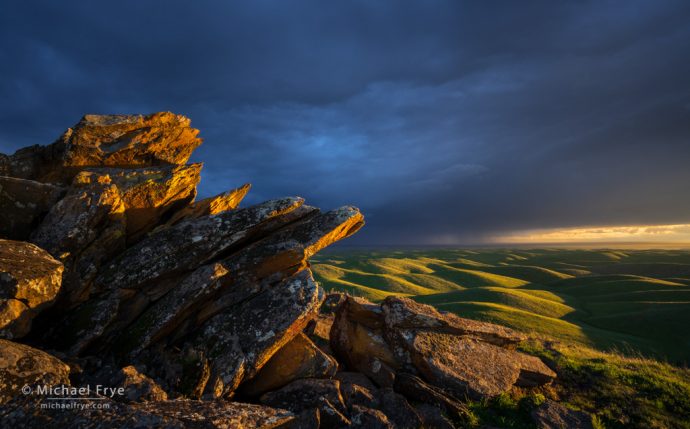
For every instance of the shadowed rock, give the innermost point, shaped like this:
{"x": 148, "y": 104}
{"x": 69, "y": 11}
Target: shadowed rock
{"x": 312, "y": 393}
{"x": 22, "y": 365}
{"x": 23, "y": 203}
{"x": 30, "y": 279}
{"x": 417, "y": 390}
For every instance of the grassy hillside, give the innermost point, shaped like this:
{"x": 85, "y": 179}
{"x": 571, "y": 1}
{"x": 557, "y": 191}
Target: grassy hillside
{"x": 631, "y": 301}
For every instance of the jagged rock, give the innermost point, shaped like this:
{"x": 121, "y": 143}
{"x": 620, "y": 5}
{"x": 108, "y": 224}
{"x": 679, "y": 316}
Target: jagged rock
{"x": 107, "y": 141}
{"x": 369, "y": 418}
{"x": 23, "y": 203}
{"x": 459, "y": 364}
{"x": 30, "y": 279}
{"x": 21, "y": 365}
{"x": 552, "y": 415}
{"x": 189, "y": 244}
{"x": 404, "y": 313}
{"x": 209, "y": 206}
{"x": 204, "y": 298}
{"x": 398, "y": 410}
{"x": 138, "y": 387}
{"x": 148, "y": 193}
{"x": 415, "y": 389}
{"x": 243, "y": 274}
{"x": 153, "y": 266}
{"x": 82, "y": 230}
{"x": 312, "y": 393}
{"x": 39, "y": 413}
{"x": 300, "y": 358}
{"x": 242, "y": 339}
{"x": 357, "y": 339}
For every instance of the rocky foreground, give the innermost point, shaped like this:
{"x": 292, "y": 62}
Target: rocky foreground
{"x": 203, "y": 314}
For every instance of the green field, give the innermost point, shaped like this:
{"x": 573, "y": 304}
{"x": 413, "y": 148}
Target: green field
{"x": 634, "y": 302}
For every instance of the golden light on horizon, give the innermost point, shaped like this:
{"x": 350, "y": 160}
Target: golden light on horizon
{"x": 675, "y": 233}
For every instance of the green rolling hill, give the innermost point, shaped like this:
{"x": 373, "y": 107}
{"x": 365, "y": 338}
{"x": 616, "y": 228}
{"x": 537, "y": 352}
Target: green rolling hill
{"x": 632, "y": 301}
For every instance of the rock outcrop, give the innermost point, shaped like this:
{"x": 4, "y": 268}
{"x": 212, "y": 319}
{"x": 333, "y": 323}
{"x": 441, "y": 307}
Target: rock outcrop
{"x": 401, "y": 335}
{"x": 205, "y": 314}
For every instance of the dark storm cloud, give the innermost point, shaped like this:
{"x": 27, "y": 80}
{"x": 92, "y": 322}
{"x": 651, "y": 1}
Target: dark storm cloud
{"x": 444, "y": 121}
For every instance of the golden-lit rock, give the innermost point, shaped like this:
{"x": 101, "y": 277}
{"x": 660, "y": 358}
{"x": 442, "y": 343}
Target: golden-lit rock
{"x": 209, "y": 206}
{"x": 148, "y": 193}
{"x": 30, "y": 279}
{"x": 107, "y": 141}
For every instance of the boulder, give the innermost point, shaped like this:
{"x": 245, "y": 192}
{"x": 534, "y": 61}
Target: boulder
{"x": 552, "y": 415}
{"x": 21, "y": 365}
{"x": 107, "y": 141}
{"x": 23, "y": 203}
{"x": 300, "y": 358}
{"x": 30, "y": 279}
{"x": 39, "y": 413}
{"x": 312, "y": 393}
{"x": 209, "y": 206}
{"x": 148, "y": 193}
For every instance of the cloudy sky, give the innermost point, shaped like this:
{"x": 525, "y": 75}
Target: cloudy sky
{"x": 445, "y": 122}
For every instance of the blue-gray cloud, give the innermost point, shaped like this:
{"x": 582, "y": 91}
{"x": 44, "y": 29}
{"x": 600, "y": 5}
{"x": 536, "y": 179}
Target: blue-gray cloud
{"x": 444, "y": 121}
